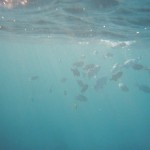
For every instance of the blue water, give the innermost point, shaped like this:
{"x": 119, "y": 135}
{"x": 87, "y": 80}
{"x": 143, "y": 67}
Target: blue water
{"x": 49, "y": 100}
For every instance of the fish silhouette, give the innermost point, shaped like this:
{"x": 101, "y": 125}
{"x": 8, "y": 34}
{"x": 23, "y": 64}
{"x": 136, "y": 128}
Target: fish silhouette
{"x": 116, "y": 67}
{"x": 123, "y": 87}
{"x": 116, "y": 76}
{"x": 137, "y": 66}
{"x": 84, "y": 88}
{"x": 144, "y": 88}
{"x": 100, "y": 83}
{"x": 81, "y": 98}
{"x": 75, "y": 72}
{"x": 78, "y": 64}
{"x": 34, "y": 78}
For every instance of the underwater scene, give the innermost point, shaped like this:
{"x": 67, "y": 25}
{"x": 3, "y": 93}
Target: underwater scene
{"x": 74, "y": 75}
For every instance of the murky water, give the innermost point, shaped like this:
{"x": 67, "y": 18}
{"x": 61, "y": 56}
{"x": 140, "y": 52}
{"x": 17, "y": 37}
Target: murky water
{"x": 74, "y": 75}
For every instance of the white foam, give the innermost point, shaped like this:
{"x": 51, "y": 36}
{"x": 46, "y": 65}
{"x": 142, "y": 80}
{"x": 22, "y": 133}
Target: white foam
{"x": 116, "y": 43}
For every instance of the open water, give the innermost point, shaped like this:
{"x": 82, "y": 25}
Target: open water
{"x": 75, "y": 75}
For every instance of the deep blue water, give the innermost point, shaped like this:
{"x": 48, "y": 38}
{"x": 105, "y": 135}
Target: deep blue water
{"x": 75, "y": 75}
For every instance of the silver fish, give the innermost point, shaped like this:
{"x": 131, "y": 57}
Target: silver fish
{"x": 80, "y": 83}
{"x": 130, "y": 62}
{"x": 108, "y": 55}
{"x": 123, "y": 87}
{"x": 89, "y": 66}
{"x": 65, "y": 92}
{"x": 116, "y": 76}
{"x": 116, "y": 67}
{"x": 63, "y": 80}
{"x": 84, "y": 88}
{"x": 144, "y": 88}
{"x": 50, "y": 90}
{"x": 34, "y": 78}
{"x": 100, "y": 83}
{"x": 147, "y": 69}
{"x": 75, "y": 72}
{"x": 81, "y": 98}
{"x": 93, "y": 71}
{"x": 137, "y": 66}
{"x": 78, "y": 64}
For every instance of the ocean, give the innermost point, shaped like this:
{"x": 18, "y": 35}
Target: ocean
{"x": 74, "y": 75}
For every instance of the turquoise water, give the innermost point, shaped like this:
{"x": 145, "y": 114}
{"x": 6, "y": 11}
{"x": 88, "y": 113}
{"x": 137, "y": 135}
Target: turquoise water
{"x": 75, "y": 75}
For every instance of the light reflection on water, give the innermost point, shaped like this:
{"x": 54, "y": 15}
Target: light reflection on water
{"x": 9, "y": 4}
{"x": 86, "y": 18}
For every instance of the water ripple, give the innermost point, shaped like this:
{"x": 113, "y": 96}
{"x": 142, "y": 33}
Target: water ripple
{"x": 85, "y": 18}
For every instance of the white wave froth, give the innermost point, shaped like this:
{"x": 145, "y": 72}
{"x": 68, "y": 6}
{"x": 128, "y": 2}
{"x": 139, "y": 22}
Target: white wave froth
{"x": 116, "y": 43}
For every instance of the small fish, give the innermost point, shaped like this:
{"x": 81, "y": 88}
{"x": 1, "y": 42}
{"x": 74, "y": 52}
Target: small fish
{"x": 123, "y": 87}
{"x": 50, "y": 90}
{"x": 115, "y": 68}
{"x": 34, "y": 77}
{"x": 80, "y": 83}
{"x": 93, "y": 71}
{"x": 84, "y": 88}
{"x": 116, "y": 76}
{"x": 100, "y": 83}
{"x": 81, "y": 98}
{"x": 144, "y": 88}
{"x": 63, "y": 80}
{"x": 108, "y": 55}
{"x": 75, "y": 71}
{"x": 131, "y": 62}
{"x": 65, "y": 92}
{"x": 137, "y": 66}
{"x": 75, "y": 106}
{"x": 147, "y": 69}
{"x": 89, "y": 66}
{"x": 78, "y": 64}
